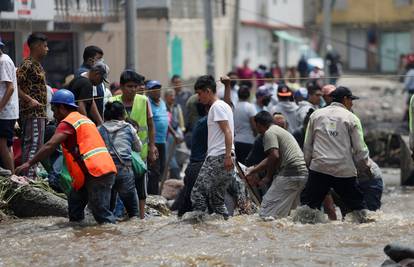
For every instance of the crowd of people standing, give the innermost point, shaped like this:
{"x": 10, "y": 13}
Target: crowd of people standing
{"x": 298, "y": 139}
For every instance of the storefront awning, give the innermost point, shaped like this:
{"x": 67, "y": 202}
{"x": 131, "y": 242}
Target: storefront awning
{"x": 289, "y": 37}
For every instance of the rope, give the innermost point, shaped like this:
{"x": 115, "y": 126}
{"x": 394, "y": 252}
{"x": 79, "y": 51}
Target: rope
{"x": 386, "y": 76}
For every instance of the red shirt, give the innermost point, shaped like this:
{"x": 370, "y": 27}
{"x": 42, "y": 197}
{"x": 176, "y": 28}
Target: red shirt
{"x": 67, "y": 129}
{"x": 71, "y": 143}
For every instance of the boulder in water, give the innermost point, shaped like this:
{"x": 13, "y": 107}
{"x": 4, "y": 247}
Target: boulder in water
{"x": 31, "y": 199}
{"x": 157, "y": 206}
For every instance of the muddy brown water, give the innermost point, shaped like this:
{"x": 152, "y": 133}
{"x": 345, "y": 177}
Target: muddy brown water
{"x": 240, "y": 241}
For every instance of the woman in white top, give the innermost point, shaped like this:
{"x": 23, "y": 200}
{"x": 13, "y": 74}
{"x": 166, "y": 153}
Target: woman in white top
{"x": 244, "y": 125}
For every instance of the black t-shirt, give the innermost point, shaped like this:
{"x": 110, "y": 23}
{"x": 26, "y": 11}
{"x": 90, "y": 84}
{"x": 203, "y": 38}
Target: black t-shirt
{"x": 82, "y": 88}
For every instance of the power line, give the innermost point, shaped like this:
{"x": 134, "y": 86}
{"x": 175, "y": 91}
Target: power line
{"x": 317, "y": 31}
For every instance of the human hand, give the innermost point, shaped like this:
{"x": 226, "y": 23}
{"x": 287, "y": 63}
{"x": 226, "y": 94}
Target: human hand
{"x": 225, "y": 80}
{"x": 228, "y": 163}
{"x": 153, "y": 154}
{"x": 24, "y": 167}
{"x": 264, "y": 181}
{"x": 34, "y": 103}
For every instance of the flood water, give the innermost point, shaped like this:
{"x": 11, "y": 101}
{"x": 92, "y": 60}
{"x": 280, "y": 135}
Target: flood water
{"x": 240, "y": 241}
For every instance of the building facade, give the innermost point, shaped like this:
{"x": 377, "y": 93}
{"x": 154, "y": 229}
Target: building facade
{"x": 170, "y": 36}
{"x": 272, "y": 31}
{"x": 372, "y": 35}
{"x": 65, "y": 24}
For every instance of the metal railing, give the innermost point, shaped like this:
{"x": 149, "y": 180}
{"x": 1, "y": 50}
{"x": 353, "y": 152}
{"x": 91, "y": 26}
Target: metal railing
{"x": 87, "y": 11}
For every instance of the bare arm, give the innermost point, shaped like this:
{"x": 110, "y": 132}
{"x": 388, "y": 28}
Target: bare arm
{"x": 228, "y": 140}
{"x": 44, "y": 151}
{"x": 95, "y": 114}
{"x": 82, "y": 108}
{"x": 7, "y": 95}
{"x": 253, "y": 125}
{"x": 152, "y": 149}
{"x": 227, "y": 90}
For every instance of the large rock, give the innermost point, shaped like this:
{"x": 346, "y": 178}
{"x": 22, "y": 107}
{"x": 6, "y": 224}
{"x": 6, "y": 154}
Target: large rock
{"x": 31, "y": 199}
{"x": 157, "y": 206}
{"x": 171, "y": 188}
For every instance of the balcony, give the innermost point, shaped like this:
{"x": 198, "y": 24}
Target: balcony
{"x": 87, "y": 11}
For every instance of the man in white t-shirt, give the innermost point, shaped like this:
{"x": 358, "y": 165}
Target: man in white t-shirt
{"x": 9, "y": 108}
{"x": 218, "y": 170}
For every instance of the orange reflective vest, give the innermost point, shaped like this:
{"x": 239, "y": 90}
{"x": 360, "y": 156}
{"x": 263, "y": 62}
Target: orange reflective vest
{"x": 91, "y": 150}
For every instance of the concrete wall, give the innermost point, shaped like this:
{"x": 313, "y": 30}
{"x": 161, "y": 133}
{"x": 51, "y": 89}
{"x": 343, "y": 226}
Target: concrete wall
{"x": 112, "y": 41}
{"x": 153, "y": 46}
{"x": 368, "y": 11}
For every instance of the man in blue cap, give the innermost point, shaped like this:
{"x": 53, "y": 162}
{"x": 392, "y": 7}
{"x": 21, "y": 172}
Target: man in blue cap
{"x": 9, "y": 108}
{"x": 160, "y": 118}
{"x": 87, "y": 159}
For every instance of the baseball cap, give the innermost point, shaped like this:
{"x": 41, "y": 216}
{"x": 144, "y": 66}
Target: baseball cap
{"x": 284, "y": 91}
{"x": 328, "y": 89}
{"x": 341, "y": 92}
{"x": 263, "y": 91}
{"x": 301, "y": 92}
{"x": 1, "y": 43}
{"x": 152, "y": 84}
{"x": 102, "y": 68}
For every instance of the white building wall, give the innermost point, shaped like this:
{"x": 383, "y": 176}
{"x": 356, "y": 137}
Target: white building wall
{"x": 285, "y": 12}
{"x": 255, "y": 43}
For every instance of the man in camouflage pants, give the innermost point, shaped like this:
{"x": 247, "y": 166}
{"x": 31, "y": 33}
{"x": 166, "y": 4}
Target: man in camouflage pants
{"x": 218, "y": 170}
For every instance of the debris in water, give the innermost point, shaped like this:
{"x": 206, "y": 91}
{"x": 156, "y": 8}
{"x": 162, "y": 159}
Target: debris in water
{"x": 359, "y": 216}
{"x": 306, "y": 215}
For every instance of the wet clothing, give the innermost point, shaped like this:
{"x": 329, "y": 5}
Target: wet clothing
{"x": 211, "y": 185}
{"x": 156, "y": 169}
{"x": 124, "y": 187}
{"x": 319, "y": 184}
{"x": 97, "y": 194}
{"x": 184, "y": 198}
{"x": 122, "y": 136}
{"x": 282, "y": 196}
{"x": 334, "y": 142}
{"x": 284, "y": 193}
{"x": 288, "y": 110}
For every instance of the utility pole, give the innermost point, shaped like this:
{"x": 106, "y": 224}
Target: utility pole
{"x": 236, "y": 27}
{"x": 130, "y": 15}
{"x": 208, "y": 20}
{"x": 327, "y": 31}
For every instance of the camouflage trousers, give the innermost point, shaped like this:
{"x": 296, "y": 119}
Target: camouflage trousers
{"x": 211, "y": 185}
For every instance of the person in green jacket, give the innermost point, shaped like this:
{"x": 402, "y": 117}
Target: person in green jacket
{"x": 138, "y": 111}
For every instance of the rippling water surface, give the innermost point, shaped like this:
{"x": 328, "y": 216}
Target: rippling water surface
{"x": 240, "y": 241}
